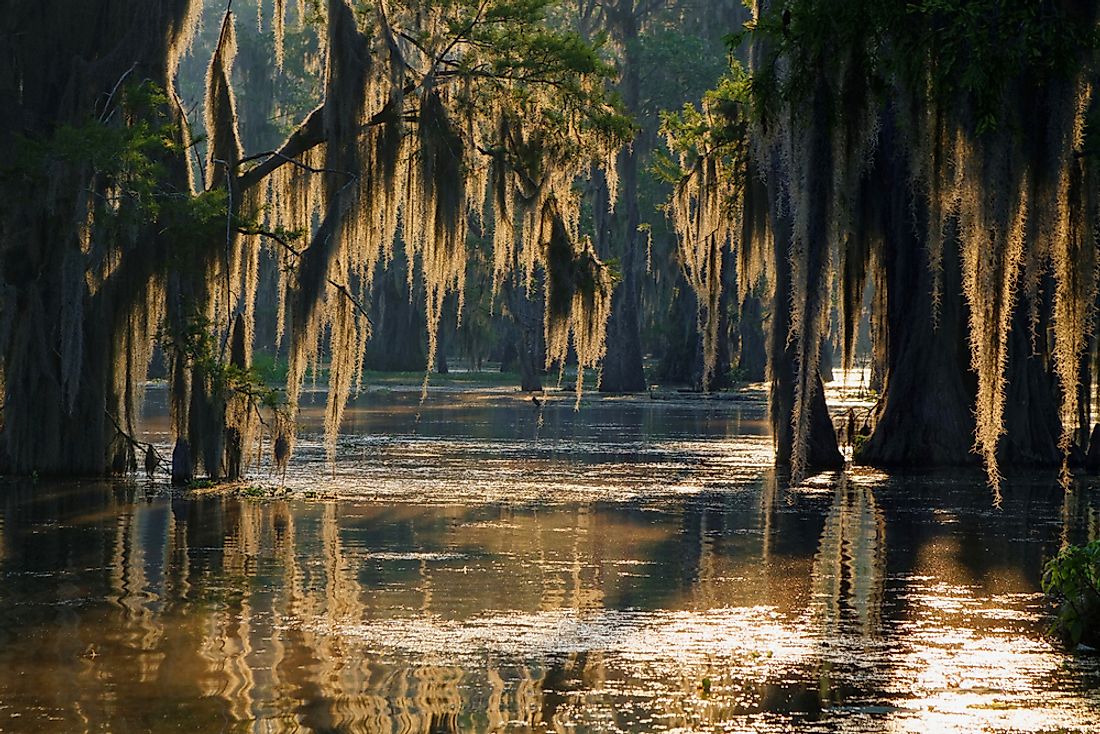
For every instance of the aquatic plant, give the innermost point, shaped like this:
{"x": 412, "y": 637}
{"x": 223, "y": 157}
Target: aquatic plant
{"x": 1072, "y": 580}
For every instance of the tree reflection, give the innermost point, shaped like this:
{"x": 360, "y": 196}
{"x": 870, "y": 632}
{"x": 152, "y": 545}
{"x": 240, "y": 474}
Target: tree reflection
{"x": 223, "y": 613}
{"x": 849, "y": 569}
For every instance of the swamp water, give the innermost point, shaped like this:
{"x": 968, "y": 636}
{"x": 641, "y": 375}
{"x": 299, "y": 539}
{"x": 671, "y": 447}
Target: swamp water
{"x": 490, "y": 566}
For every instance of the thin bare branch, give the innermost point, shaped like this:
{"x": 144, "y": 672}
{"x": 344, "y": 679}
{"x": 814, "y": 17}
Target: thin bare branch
{"x": 285, "y": 244}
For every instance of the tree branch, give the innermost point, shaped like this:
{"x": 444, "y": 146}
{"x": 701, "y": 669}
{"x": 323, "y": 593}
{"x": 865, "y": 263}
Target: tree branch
{"x": 131, "y": 440}
{"x": 107, "y": 110}
{"x": 309, "y": 135}
{"x": 285, "y": 244}
{"x": 277, "y": 154}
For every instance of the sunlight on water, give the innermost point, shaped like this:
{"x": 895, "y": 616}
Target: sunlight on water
{"x": 632, "y": 567}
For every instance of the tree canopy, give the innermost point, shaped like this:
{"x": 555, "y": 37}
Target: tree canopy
{"x": 974, "y": 116}
{"x": 432, "y": 114}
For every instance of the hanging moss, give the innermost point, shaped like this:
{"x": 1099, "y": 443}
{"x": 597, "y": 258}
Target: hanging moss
{"x": 991, "y": 102}
{"x": 434, "y": 146}
{"x": 712, "y": 207}
{"x": 427, "y": 108}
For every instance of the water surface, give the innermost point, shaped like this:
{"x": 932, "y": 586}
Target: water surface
{"x": 479, "y": 564}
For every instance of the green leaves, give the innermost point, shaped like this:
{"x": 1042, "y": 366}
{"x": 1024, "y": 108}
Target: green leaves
{"x": 188, "y": 224}
{"x": 950, "y": 48}
{"x": 511, "y": 58}
{"x": 123, "y": 162}
{"x": 718, "y": 128}
{"x": 126, "y": 151}
{"x": 196, "y": 341}
{"x": 1073, "y": 579}
{"x": 975, "y": 48}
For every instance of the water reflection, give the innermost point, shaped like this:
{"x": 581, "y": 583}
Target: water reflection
{"x": 705, "y": 601}
{"x": 849, "y": 569}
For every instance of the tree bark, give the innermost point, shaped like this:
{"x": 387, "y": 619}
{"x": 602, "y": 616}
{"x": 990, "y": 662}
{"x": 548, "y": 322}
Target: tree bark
{"x": 727, "y": 300}
{"x": 823, "y": 452}
{"x": 399, "y": 339}
{"x": 924, "y": 416}
{"x": 827, "y": 358}
{"x": 1032, "y": 426}
{"x": 621, "y": 371}
{"x": 530, "y": 347}
{"x": 752, "y": 360}
{"x": 64, "y": 64}
{"x": 682, "y": 360}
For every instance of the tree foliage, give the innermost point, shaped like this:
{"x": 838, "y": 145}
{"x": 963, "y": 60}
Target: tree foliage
{"x": 988, "y": 104}
{"x": 432, "y": 114}
{"x": 1072, "y": 578}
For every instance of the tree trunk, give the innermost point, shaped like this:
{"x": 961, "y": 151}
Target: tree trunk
{"x": 1032, "y": 426}
{"x": 822, "y": 450}
{"x": 752, "y": 361}
{"x": 67, "y": 351}
{"x": 530, "y": 347}
{"x": 827, "y": 359}
{"x": 448, "y": 323}
{"x": 727, "y": 300}
{"x": 682, "y": 360}
{"x": 398, "y": 341}
{"x": 794, "y": 383}
{"x": 924, "y": 416}
{"x": 621, "y": 371}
